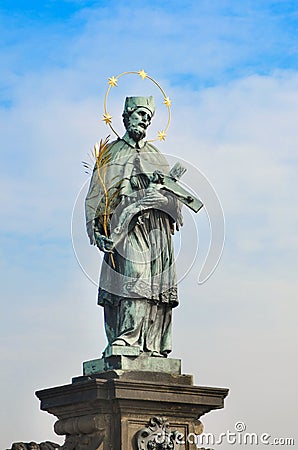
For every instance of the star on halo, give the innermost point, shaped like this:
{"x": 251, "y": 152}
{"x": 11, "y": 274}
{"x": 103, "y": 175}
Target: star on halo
{"x": 162, "y": 135}
{"x": 142, "y": 74}
{"x": 167, "y": 101}
{"x": 112, "y": 81}
{"x": 107, "y": 118}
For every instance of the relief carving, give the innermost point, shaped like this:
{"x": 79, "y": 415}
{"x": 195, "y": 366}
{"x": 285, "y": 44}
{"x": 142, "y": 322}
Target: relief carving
{"x": 157, "y": 436}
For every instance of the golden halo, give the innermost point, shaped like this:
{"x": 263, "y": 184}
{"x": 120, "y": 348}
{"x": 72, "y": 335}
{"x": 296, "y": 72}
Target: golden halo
{"x": 113, "y": 82}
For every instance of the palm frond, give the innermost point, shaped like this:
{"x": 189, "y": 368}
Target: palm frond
{"x": 102, "y": 156}
{"x": 88, "y": 167}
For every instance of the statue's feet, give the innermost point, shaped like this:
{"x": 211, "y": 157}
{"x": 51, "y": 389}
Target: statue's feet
{"x": 157, "y": 354}
{"x": 119, "y": 343}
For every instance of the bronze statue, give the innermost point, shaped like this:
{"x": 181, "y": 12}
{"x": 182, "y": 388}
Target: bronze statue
{"x": 131, "y": 217}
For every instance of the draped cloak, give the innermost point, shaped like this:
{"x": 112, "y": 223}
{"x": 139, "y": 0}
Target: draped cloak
{"x": 144, "y": 260}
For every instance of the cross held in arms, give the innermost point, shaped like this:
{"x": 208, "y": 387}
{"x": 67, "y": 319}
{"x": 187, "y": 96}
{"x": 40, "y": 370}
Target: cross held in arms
{"x": 169, "y": 183}
{"x": 158, "y": 181}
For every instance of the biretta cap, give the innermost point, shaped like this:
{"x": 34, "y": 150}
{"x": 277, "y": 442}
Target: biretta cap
{"x": 133, "y": 103}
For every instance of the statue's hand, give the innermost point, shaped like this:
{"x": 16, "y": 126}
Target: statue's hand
{"x": 153, "y": 198}
{"x": 103, "y": 243}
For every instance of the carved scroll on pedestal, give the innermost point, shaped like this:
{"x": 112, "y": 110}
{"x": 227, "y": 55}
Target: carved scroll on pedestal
{"x": 82, "y": 433}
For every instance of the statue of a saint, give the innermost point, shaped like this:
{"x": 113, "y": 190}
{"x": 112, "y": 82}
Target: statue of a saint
{"x": 137, "y": 285}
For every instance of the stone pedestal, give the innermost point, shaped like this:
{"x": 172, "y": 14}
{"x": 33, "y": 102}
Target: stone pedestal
{"x": 130, "y": 359}
{"x": 130, "y": 410}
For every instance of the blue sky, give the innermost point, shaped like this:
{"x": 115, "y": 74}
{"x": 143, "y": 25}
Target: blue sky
{"x": 231, "y": 69}
{"x": 232, "y": 39}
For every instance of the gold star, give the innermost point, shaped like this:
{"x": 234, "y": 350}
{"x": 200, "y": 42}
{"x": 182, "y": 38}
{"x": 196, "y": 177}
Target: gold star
{"x": 113, "y": 81}
{"x": 162, "y": 135}
{"x": 142, "y": 74}
{"x": 107, "y": 118}
{"x": 167, "y": 101}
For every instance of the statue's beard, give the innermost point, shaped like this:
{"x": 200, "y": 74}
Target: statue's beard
{"x": 136, "y": 133}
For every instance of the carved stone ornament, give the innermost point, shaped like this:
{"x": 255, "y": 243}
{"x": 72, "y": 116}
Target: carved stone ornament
{"x": 34, "y": 446}
{"x": 82, "y": 433}
{"x": 157, "y": 436}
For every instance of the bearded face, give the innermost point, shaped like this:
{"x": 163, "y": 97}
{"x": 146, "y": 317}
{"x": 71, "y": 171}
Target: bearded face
{"x": 137, "y": 123}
